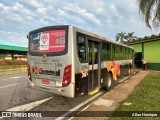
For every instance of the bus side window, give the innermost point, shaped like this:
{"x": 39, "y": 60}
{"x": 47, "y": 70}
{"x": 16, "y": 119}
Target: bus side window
{"x": 126, "y": 53}
{"x": 81, "y": 48}
{"x": 113, "y": 52}
{"x": 120, "y": 53}
{"x": 90, "y": 53}
{"x": 108, "y": 51}
{"x": 117, "y": 52}
{"x": 130, "y": 53}
{"x": 104, "y": 52}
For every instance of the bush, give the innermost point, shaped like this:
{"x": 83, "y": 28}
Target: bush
{"x": 9, "y": 62}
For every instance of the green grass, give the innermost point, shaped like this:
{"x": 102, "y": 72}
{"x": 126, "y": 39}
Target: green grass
{"x": 145, "y": 97}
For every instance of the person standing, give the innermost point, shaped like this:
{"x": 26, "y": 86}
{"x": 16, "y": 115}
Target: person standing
{"x": 144, "y": 64}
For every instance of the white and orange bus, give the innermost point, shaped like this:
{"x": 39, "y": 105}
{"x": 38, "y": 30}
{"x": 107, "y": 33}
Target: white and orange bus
{"x": 71, "y": 62}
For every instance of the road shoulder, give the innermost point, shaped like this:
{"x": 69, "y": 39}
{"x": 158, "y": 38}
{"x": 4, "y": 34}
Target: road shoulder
{"x": 111, "y": 100}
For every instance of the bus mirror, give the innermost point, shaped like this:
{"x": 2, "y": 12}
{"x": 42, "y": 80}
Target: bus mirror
{"x": 28, "y": 36}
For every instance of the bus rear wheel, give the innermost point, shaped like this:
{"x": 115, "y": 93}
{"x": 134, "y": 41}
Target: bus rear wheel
{"x": 108, "y": 81}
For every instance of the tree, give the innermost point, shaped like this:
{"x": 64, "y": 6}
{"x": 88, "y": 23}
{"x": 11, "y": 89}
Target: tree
{"x": 150, "y": 10}
{"x": 130, "y": 36}
{"x": 120, "y": 37}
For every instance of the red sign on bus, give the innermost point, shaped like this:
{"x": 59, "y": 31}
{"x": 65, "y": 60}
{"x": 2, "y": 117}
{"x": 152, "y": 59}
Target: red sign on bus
{"x": 48, "y": 41}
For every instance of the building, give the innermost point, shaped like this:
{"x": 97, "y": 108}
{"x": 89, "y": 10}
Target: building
{"x": 9, "y": 54}
{"x": 148, "y": 48}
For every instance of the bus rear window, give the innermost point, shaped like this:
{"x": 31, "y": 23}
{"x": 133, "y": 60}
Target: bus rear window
{"x": 51, "y": 41}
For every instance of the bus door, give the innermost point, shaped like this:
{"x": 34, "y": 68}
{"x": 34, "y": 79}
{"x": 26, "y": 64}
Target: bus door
{"x": 94, "y": 67}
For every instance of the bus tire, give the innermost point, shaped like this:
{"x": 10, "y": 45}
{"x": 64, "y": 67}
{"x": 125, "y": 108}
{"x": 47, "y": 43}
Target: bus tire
{"x": 108, "y": 81}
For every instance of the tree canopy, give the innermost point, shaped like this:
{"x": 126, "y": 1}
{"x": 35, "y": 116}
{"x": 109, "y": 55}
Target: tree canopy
{"x": 122, "y": 36}
{"x": 150, "y": 10}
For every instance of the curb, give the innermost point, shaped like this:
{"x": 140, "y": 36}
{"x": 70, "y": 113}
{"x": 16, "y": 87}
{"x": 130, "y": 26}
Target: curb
{"x": 3, "y": 73}
{"x": 8, "y": 70}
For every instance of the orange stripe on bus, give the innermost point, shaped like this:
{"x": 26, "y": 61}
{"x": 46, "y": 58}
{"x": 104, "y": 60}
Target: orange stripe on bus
{"x": 104, "y": 38}
{"x": 95, "y": 35}
{"x": 78, "y": 73}
{"x": 108, "y": 66}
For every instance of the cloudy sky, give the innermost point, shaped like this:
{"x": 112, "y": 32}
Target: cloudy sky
{"x": 103, "y": 17}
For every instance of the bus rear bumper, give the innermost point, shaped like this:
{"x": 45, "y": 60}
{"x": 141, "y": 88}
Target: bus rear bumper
{"x": 64, "y": 91}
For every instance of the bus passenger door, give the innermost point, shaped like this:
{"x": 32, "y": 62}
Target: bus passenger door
{"x": 94, "y": 61}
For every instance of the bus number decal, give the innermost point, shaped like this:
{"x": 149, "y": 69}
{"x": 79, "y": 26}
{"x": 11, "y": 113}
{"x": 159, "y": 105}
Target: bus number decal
{"x": 84, "y": 70}
{"x": 58, "y": 64}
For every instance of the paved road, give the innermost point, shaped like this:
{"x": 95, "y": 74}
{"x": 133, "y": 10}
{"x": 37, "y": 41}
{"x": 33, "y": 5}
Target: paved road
{"x": 15, "y": 95}
{"x": 14, "y": 91}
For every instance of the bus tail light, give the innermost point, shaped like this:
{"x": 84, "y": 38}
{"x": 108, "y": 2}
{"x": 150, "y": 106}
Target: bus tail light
{"x": 66, "y": 76}
{"x": 29, "y": 73}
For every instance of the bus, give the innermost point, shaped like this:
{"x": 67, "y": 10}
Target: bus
{"x": 71, "y": 62}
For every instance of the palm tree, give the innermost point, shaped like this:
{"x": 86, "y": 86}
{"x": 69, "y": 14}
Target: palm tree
{"x": 120, "y": 37}
{"x": 130, "y": 36}
{"x": 150, "y": 10}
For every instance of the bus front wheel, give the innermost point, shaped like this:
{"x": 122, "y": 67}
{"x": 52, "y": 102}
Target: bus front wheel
{"x": 108, "y": 81}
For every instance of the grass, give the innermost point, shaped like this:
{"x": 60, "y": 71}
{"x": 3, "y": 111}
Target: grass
{"x": 145, "y": 97}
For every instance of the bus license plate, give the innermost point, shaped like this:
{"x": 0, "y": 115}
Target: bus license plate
{"x": 46, "y": 82}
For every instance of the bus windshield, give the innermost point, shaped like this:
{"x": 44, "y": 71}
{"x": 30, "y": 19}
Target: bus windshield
{"x": 50, "y": 41}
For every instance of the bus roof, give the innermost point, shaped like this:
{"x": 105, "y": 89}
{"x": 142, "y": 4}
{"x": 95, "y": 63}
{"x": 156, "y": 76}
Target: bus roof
{"x": 101, "y": 37}
{"x": 83, "y": 31}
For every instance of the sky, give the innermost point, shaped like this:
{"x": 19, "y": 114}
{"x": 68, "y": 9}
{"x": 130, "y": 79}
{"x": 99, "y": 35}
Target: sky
{"x": 103, "y": 17}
